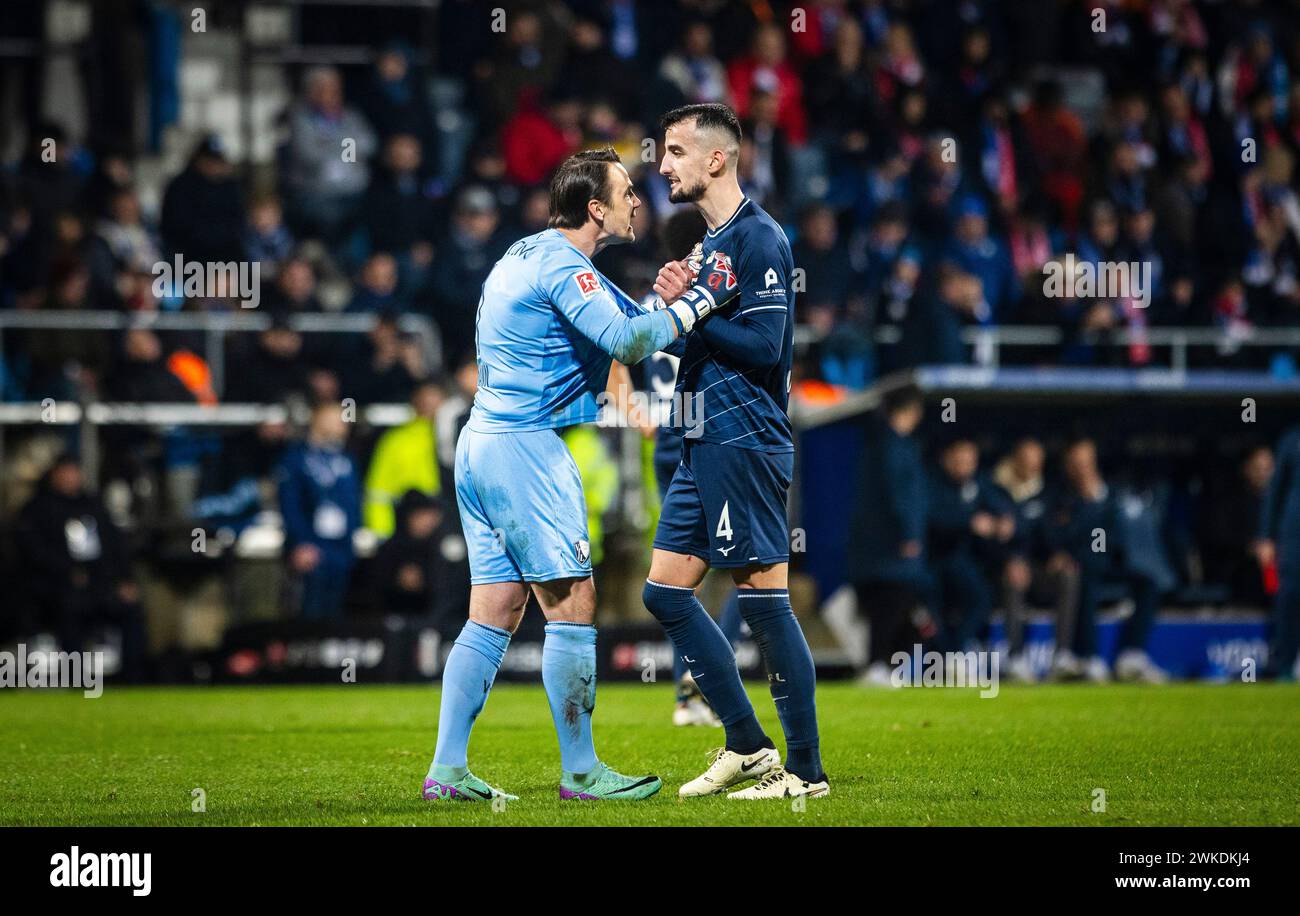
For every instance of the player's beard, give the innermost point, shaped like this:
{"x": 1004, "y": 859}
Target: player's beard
{"x": 684, "y": 195}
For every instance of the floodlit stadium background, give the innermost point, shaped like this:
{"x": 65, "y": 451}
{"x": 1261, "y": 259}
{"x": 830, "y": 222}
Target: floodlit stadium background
{"x": 927, "y": 159}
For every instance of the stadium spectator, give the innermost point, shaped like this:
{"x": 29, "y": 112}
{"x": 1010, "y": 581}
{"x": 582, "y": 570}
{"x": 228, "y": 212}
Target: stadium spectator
{"x": 1033, "y": 573}
{"x": 1230, "y": 524}
{"x": 421, "y": 570}
{"x": 465, "y": 256}
{"x": 693, "y": 70}
{"x": 387, "y": 367}
{"x": 378, "y": 291}
{"x": 974, "y": 251}
{"x": 395, "y": 103}
{"x": 932, "y": 331}
{"x": 203, "y": 210}
{"x": 320, "y": 502}
{"x": 122, "y": 244}
{"x": 399, "y": 212}
{"x": 537, "y": 138}
{"x": 405, "y": 460}
{"x": 229, "y": 489}
{"x": 969, "y": 522}
{"x": 524, "y": 66}
{"x": 274, "y": 371}
{"x": 327, "y": 160}
{"x": 766, "y": 68}
{"x": 1088, "y": 523}
{"x": 886, "y": 544}
{"x": 267, "y": 240}
{"x": 77, "y": 567}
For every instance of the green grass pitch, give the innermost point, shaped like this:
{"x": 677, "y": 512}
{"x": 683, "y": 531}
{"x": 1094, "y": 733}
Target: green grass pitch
{"x": 353, "y": 754}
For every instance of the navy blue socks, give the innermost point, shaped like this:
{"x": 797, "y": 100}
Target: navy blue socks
{"x": 705, "y": 651}
{"x": 790, "y": 675}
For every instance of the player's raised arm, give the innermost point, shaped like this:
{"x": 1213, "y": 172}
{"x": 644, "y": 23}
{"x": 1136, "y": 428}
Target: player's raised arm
{"x": 578, "y": 294}
{"x": 759, "y": 285}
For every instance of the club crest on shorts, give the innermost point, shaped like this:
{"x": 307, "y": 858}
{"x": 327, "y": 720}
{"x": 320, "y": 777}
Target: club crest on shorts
{"x": 582, "y": 548}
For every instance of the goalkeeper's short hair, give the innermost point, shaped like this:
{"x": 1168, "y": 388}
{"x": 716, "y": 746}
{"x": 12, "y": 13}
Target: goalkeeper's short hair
{"x": 579, "y": 179}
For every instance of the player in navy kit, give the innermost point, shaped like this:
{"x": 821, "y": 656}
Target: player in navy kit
{"x": 725, "y": 506}
{"x": 680, "y": 234}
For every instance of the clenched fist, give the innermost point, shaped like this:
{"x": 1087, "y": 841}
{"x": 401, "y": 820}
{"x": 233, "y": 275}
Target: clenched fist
{"x": 674, "y": 279}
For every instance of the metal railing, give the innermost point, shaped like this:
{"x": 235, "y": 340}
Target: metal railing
{"x": 988, "y": 343}
{"x": 215, "y": 326}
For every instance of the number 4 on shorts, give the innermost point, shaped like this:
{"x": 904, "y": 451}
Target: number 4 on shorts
{"x": 724, "y": 522}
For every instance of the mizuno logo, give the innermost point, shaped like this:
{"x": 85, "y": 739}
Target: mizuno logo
{"x": 726, "y": 550}
{"x": 688, "y": 659}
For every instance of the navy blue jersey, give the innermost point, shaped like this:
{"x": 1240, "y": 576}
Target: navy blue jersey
{"x": 735, "y": 370}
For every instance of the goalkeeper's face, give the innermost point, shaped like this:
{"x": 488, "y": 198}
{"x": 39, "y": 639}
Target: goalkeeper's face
{"x": 620, "y": 210}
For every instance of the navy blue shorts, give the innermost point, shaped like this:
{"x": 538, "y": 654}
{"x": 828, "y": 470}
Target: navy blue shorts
{"x": 726, "y": 505}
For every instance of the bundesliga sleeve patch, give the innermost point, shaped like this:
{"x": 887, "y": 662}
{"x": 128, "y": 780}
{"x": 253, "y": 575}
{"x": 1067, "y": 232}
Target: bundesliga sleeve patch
{"x": 588, "y": 285}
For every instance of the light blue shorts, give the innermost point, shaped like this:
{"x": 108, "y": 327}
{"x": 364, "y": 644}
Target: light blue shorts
{"x": 521, "y": 507}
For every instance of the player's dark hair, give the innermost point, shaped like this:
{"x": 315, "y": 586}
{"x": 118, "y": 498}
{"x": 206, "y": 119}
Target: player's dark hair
{"x": 707, "y": 115}
{"x": 581, "y": 178}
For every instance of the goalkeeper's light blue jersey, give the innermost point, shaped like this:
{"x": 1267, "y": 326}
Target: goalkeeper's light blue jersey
{"x": 548, "y": 324}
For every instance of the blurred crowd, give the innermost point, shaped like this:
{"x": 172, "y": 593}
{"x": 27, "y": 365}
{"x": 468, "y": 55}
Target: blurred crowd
{"x": 926, "y": 157}
{"x": 938, "y": 543}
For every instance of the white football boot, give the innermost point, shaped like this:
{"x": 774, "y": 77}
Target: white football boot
{"x": 728, "y": 769}
{"x": 1095, "y": 670}
{"x": 695, "y": 712}
{"x": 781, "y": 783}
{"x": 1136, "y": 665}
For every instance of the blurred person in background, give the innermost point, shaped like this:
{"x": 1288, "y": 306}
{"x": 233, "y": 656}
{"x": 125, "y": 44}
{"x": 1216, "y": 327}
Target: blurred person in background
{"x": 399, "y": 213}
{"x": 327, "y": 162}
{"x": 267, "y": 240}
{"x": 977, "y": 252}
{"x": 1087, "y": 524}
{"x": 1230, "y": 525}
{"x": 394, "y": 100}
{"x": 693, "y": 70}
{"x": 969, "y": 522}
{"x": 886, "y": 547}
{"x": 1032, "y": 572}
{"x": 203, "y": 208}
{"x": 121, "y": 245}
{"x": 295, "y": 287}
{"x": 77, "y": 567}
{"x": 274, "y": 371}
{"x": 422, "y": 570}
{"x": 378, "y": 289}
{"x": 464, "y": 259}
{"x": 767, "y": 68}
{"x": 1278, "y": 552}
{"x": 405, "y": 460}
{"x": 385, "y": 367}
{"x": 320, "y": 502}
{"x": 933, "y": 326}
